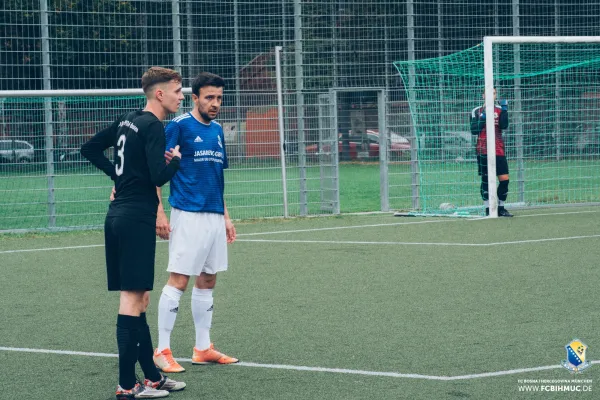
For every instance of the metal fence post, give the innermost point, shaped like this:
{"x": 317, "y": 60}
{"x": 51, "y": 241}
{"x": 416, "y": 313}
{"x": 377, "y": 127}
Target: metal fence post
{"x": 281, "y": 129}
{"x": 49, "y": 135}
{"x": 300, "y": 106}
{"x": 176, "y": 35}
{"x": 414, "y": 141}
{"x": 517, "y": 108}
{"x": 383, "y": 151}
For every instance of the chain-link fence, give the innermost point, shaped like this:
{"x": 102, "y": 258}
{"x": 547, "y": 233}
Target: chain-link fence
{"x": 340, "y": 49}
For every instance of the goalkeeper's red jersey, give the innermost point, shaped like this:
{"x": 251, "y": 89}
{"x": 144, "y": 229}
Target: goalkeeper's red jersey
{"x": 478, "y": 127}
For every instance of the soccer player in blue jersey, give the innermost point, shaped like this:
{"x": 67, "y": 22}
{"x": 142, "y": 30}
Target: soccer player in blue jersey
{"x": 200, "y": 225}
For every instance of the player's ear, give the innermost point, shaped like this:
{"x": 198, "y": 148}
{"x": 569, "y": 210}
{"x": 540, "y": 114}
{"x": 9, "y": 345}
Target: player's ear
{"x": 159, "y": 93}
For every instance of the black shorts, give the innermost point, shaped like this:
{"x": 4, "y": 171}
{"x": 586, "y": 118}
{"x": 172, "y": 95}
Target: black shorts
{"x": 130, "y": 247}
{"x": 501, "y": 165}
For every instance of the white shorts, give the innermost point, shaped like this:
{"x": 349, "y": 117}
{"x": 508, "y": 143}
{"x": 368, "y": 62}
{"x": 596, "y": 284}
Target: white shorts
{"x": 198, "y": 243}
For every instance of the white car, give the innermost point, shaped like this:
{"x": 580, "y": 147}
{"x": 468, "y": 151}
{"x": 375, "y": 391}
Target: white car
{"x": 16, "y": 151}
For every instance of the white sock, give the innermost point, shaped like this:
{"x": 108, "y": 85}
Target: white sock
{"x": 500, "y": 203}
{"x": 202, "y": 310}
{"x": 486, "y": 203}
{"x": 168, "y": 306}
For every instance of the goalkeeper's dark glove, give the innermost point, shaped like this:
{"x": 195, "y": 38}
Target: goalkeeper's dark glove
{"x": 504, "y": 105}
{"x": 482, "y": 116}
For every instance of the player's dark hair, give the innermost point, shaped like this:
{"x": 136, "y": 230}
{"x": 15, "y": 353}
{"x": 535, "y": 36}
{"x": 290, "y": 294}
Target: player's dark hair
{"x": 206, "y": 79}
{"x": 158, "y": 75}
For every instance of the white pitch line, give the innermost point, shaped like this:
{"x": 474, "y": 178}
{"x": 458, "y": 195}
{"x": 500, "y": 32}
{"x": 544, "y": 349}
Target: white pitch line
{"x": 345, "y": 227}
{"x": 310, "y": 369}
{"x": 482, "y": 218}
{"x": 441, "y": 244}
{"x": 360, "y": 242}
{"x": 87, "y": 246}
{"x": 341, "y": 242}
{"x": 51, "y": 248}
{"x": 543, "y": 240}
{"x": 418, "y": 243}
{"x": 557, "y": 213}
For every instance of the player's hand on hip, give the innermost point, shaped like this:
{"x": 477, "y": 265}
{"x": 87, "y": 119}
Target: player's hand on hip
{"x": 230, "y": 231}
{"x": 112, "y": 194}
{"x": 172, "y": 153}
{"x": 163, "y": 229}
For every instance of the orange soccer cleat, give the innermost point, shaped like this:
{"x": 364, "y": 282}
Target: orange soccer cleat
{"x": 211, "y": 356}
{"x": 165, "y": 362}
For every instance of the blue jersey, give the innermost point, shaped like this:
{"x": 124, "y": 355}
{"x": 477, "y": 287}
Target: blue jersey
{"x": 199, "y": 184}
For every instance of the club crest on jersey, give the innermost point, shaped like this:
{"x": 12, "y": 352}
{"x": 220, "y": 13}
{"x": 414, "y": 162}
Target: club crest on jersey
{"x": 219, "y": 140}
{"x": 575, "y": 361}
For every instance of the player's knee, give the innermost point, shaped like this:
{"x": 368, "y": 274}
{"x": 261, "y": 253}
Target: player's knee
{"x": 206, "y": 281}
{"x": 502, "y": 178}
{"x": 503, "y": 186}
{"x": 145, "y": 301}
{"x": 178, "y": 281}
{"x": 131, "y": 302}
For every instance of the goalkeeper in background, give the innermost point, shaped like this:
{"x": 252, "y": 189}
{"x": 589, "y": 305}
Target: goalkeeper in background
{"x": 478, "y": 119}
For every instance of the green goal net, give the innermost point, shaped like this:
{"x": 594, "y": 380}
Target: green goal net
{"x": 553, "y": 139}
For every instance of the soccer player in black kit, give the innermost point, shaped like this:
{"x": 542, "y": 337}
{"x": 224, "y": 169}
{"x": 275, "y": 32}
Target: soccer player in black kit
{"x": 138, "y": 138}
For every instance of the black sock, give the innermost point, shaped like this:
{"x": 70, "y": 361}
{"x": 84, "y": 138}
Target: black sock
{"x": 127, "y": 342}
{"x": 146, "y": 352}
{"x": 484, "y": 188}
{"x": 503, "y": 190}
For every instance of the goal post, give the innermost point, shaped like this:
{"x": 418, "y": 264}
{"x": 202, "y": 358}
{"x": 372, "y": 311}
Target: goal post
{"x": 488, "y": 60}
{"x": 552, "y": 143}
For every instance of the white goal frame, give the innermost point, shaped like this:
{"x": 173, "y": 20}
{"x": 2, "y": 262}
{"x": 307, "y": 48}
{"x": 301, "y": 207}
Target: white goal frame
{"x": 488, "y": 61}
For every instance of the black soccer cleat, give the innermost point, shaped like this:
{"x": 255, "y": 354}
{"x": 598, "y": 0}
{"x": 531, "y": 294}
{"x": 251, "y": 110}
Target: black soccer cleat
{"x": 502, "y": 212}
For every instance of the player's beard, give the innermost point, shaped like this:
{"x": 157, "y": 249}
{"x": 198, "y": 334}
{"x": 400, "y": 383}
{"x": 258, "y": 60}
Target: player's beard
{"x": 206, "y": 116}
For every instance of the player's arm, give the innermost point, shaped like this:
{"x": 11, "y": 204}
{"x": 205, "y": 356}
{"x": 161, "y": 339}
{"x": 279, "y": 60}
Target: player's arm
{"x": 162, "y": 222}
{"x": 477, "y": 121}
{"x": 160, "y": 171}
{"x": 172, "y": 133}
{"x": 93, "y": 149}
{"x": 163, "y": 228}
{"x": 503, "y": 119}
{"x": 229, "y": 227}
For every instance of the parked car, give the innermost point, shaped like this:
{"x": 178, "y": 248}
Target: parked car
{"x": 67, "y": 155}
{"x": 399, "y": 145}
{"x": 458, "y": 146}
{"x": 15, "y": 151}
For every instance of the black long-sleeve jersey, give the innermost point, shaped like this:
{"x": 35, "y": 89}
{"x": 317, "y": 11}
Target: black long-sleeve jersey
{"x": 139, "y": 143}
